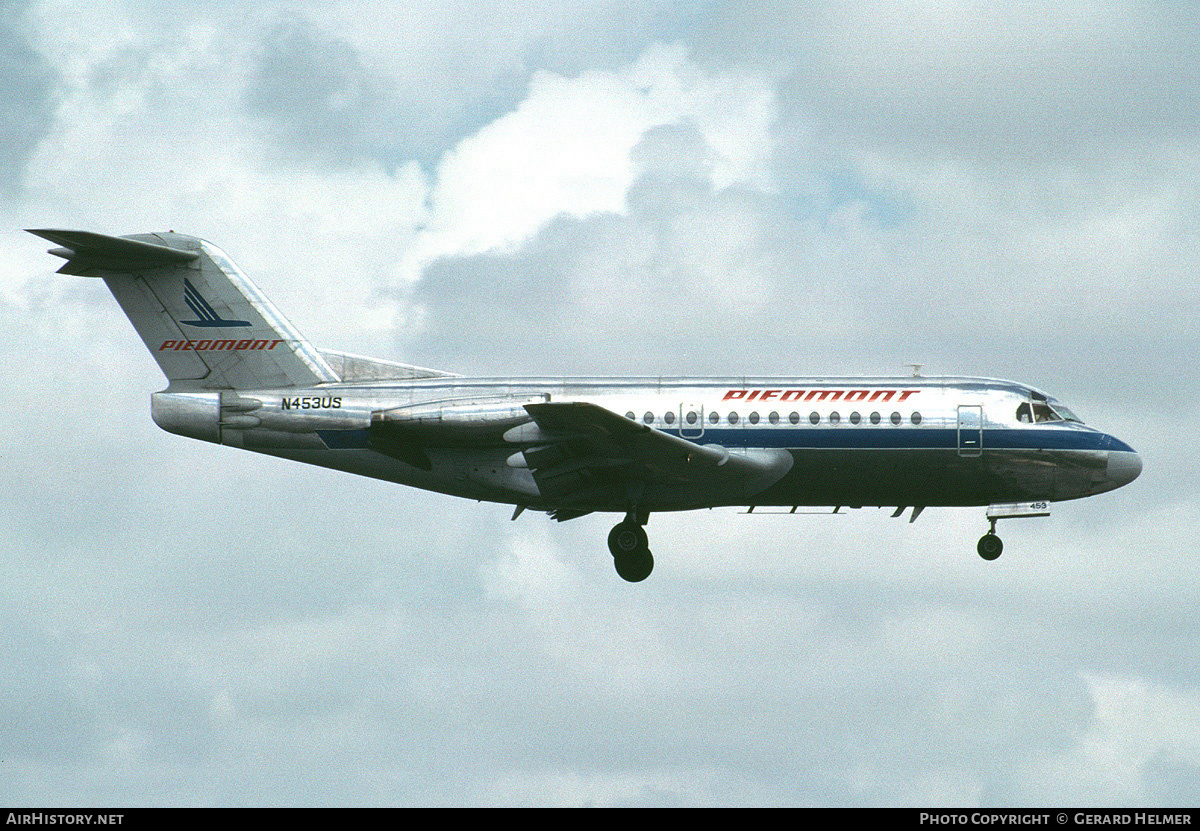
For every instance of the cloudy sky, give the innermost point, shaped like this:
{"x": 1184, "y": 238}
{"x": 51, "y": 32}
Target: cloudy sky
{"x": 593, "y": 187}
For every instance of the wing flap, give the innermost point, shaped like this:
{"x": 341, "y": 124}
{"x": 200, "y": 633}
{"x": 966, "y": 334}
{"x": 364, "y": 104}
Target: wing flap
{"x": 587, "y": 455}
{"x": 641, "y": 444}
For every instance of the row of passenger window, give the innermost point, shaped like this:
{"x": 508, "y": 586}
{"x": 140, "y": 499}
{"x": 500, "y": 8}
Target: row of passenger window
{"x": 692, "y": 418}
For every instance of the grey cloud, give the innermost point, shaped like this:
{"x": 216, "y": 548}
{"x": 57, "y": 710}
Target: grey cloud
{"x": 28, "y": 92}
{"x": 335, "y": 102}
{"x": 316, "y": 87}
{"x": 1016, "y": 86}
{"x": 46, "y": 718}
{"x": 1171, "y": 781}
{"x": 334, "y": 106}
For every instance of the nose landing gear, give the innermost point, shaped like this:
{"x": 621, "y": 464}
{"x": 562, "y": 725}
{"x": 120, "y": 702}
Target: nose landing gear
{"x": 990, "y": 546}
{"x": 631, "y": 551}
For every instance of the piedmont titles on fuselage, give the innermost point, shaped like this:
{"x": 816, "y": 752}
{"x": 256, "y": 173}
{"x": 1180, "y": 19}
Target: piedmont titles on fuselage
{"x": 867, "y": 395}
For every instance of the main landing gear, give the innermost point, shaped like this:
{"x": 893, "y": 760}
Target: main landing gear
{"x": 631, "y": 550}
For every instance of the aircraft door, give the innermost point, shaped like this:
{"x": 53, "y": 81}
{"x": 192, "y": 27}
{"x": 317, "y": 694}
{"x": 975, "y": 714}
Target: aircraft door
{"x": 970, "y": 430}
{"x": 691, "y": 421}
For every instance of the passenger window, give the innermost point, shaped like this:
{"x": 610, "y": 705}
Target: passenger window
{"x": 713, "y": 418}
{"x": 814, "y": 417}
{"x": 669, "y": 417}
{"x": 692, "y": 418}
{"x": 648, "y": 418}
{"x": 794, "y": 418}
{"x": 754, "y": 418}
{"x": 629, "y": 415}
{"x": 855, "y": 418}
{"x": 733, "y": 418}
{"x": 916, "y": 418}
{"x": 834, "y": 418}
{"x": 773, "y": 418}
{"x": 875, "y": 418}
{"x": 895, "y": 418}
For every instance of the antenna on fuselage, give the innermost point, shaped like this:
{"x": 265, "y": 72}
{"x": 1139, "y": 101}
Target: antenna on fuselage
{"x": 916, "y": 369}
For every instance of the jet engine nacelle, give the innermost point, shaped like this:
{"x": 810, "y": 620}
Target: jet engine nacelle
{"x": 196, "y": 415}
{"x": 456, "y": 423}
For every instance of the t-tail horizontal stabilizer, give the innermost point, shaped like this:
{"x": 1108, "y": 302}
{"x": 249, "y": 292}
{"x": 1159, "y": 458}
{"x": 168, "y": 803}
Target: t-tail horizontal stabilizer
{"x": 86, "y": 251}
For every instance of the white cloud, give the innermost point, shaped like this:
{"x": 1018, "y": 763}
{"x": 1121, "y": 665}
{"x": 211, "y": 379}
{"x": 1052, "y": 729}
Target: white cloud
{"x": 566, "y": 150}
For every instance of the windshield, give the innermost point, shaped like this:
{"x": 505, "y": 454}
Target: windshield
{"x": 1063, "y": 412}
{"x": 1041, "y": 410}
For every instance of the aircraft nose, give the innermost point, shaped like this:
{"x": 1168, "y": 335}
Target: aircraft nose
{"x": 1123, "y": 467}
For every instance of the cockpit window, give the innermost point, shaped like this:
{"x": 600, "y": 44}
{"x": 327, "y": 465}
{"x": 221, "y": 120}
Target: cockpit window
{"x": 1063, "y": 412}
{"x": 1041, "y": 410}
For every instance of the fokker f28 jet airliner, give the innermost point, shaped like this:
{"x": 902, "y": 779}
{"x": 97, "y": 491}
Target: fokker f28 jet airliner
{"x": 240, "y": 374}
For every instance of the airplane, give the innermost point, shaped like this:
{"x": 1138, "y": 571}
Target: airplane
{"x": 239, "y": 374}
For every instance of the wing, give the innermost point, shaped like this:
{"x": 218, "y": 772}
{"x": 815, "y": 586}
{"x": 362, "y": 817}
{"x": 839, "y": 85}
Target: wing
{"x": 584, "y": 457}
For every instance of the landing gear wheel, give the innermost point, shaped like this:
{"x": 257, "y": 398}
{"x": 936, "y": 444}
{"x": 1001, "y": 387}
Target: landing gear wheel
{"x": 627, "y": 538}
{"x": 989, "y": 546}
{"x": 631, "y": 550}
{"x": 634, "y": 566}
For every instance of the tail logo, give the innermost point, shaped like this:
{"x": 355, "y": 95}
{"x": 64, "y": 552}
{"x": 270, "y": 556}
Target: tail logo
{"x": 206, "y": 314}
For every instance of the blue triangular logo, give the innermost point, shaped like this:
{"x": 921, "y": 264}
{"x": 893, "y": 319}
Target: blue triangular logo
{"x": 206, "y": 314}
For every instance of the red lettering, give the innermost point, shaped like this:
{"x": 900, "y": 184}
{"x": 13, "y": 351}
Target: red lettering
{"x": 767, "y": 395}
{"x": 209, "y": 345}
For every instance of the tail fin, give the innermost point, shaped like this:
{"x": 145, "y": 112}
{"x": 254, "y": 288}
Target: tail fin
{"x": 205, "y": 323}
